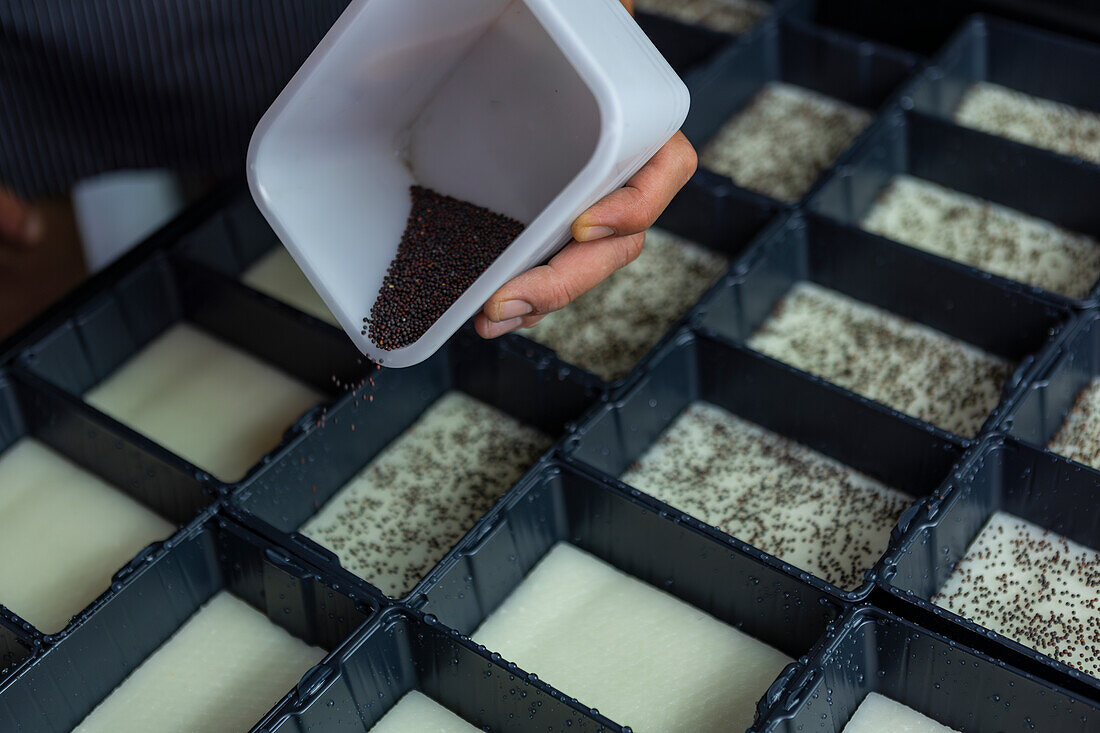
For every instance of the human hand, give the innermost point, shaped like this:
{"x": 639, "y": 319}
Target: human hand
{"x": 19, "y": 226}
{"x": 606, "y": 237}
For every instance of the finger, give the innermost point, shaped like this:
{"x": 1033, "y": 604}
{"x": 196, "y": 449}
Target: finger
{"x": 18, "y": 224}
{"x": 629, "y": 5}
{"x": 491, "y": 330}
{"x": 635, "y": 207}
{"x": 571, "y": 273}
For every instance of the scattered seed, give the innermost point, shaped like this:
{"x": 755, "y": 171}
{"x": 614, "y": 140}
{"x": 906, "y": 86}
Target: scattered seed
{"x": 1033, "y": 586}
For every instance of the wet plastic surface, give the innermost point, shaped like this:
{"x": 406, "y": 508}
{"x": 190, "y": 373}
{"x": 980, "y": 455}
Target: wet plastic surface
{"x": 901, "y": 452}
{"x": 114, "y": 325}
{"x": 1067, "y": 368}
{"x": 402, "y": 651}
{"x": 1033, "y": 62}
{"x": 33, "y": 408}
{"x": 1001, "y": 475}
{"x": 684, "y": 46}
{"x": 241, "y": 535}
{"x": 998, "y": 317}
{"x": 924, "y": 26}
{"x": 152, "y": 597}
{"x": 876, "y": 651}
{"x": 857, "y": 73}
{"x": 542, "y": 394}
{"x": 1025, "y": 179}
{"x": 561, "y": 502}
{"x": 711, "y": 212}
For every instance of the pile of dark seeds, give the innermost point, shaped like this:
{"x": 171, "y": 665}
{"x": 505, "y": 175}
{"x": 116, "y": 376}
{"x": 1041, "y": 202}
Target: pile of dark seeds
{"x": 447, "y": 244}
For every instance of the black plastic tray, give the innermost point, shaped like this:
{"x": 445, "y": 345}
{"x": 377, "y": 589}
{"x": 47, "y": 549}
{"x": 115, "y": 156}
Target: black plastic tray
{"x": 154, "y": 596}
{"x": 1029, "y": 180}
{"x": 1071, "y": 363}
{"x": 562, "y": 502}
{"x": 545, "y": 394}
{"x": 712, "y": 213}
{"x": 919, "y": 26}
{"x": 243, "y": 541}
{"x": 857, "y": 72}
{"x": 402, "y": 651}
{"x": 900, "y": 451}
{"x": 18, "y": 644}
{"x": 1000, "y": 317}
{"x": 230, "y": 239}
{"x": 1034, "y": 62}
{"x": 923, "y": 26}
{"x": 98, "y": 334}
{"x": 1002, "y": 474}
{"x": 709, "y": 211}
{"x": 684, "y": 46}
{"x": 32, "y": 408}
{"x": 876, "y": 651}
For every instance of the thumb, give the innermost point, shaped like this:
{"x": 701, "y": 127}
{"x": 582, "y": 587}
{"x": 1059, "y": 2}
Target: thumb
{"x": 569, "y": 274}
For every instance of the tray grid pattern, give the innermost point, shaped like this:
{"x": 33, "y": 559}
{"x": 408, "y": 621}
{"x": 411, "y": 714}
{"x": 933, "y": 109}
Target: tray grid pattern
{"x": 241, "y": 535}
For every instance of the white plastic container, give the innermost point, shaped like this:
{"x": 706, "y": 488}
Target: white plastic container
{"x": 531, "y": 108}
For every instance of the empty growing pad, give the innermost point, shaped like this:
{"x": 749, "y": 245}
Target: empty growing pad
{"x": 1034, "y": 121}
{"x": 985, "y": 235}
{"x": 278, "y": 275}
{"x": 882, "y": 356}
{"x": 609, "y": 329}
{"x": 1079, "y": 436}
{"x": 418, "y": 713}
{"x": 211, "y": 403}
{"x": 641, "y": 656}
{"x": 771, "y": 492}
{"x": 877, "y": 714}
{"x": 1033, "y": 586}
{"x": 728, "y": 16}
{"x": 219, "y": 673}
{"x": 397, "y": 518}
{"x": 65, "y": 532}
{"x": 782, "y": 141}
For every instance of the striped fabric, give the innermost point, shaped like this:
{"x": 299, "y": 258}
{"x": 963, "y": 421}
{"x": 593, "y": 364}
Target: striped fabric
{"x": 93, "y": 85}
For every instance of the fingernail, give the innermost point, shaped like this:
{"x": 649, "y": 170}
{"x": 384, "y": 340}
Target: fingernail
{"x": 588, "y": 234}
{"x": 499, "y": 329}
{"x": 33, "y": 228}
{"x": 514, "y": 309}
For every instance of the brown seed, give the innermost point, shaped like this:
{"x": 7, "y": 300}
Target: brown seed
{"x": 447, "y": 245}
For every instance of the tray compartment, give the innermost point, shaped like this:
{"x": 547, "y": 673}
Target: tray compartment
{"x": 401, "y": 652}
{"x": 99, "y": 334}
{"x": 153, "y": 596}
{"x": 994, "y": 316}
{"x": 1069, "y": 367}
{"x": 544, "y": 394}
{"x": 1002, "y": 475}
{"x": 1027, "y": 180}
{"x": 559, "y": 502}
{"x": 1022, "y": 59}
{"x": 902, "y": 453}
{"x": 858, "y": 74}
{"x": 876, "y": 651}
{"x": 711, "y": 213}
{"x": 31, "y": 409}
